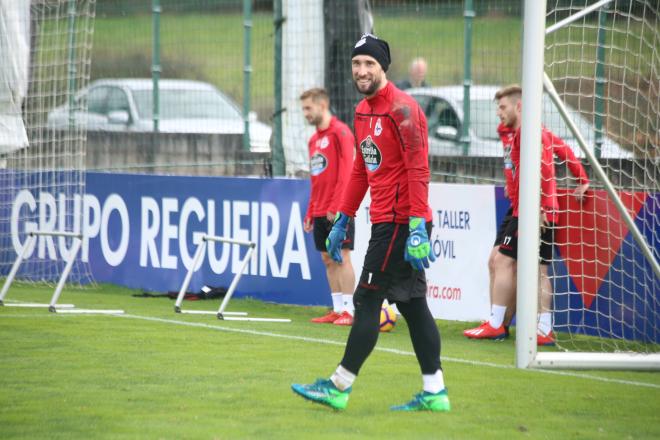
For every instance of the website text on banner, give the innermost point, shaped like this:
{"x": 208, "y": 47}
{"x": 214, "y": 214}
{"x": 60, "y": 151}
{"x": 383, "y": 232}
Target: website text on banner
{"x": 463, "y": 230}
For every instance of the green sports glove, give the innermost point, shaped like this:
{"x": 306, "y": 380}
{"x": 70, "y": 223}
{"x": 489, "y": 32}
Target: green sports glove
{"x": 418, "y": 248}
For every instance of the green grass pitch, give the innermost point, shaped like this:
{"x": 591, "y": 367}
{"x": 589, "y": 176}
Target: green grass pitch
{"x": 156, "y": 374}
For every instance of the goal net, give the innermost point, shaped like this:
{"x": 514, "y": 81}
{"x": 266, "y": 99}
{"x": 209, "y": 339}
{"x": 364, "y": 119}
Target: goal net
{"x": 602, "y": 60}
{"x": 45, "y": 47}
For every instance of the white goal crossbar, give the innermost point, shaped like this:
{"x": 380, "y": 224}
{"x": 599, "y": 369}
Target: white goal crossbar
{"x": 53, "y": 306}
{"x": 221, "y": 313}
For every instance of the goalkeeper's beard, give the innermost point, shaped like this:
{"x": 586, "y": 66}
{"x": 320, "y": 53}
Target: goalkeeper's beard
{"x": 375, "y": 85}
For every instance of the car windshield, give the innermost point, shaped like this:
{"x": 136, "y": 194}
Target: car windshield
{"x": 484, "y": 120}
{"x": 186, "y": 104}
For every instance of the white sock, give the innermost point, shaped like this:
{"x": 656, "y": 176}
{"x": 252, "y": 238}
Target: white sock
{"x": 545, "y": 323}
{"x": 337, "y": 303}
{"x": 347, "y": 300}
{"x": 433, "y": 383}
{"x": 342, "y": 378}
{"x": 496, "y": 315}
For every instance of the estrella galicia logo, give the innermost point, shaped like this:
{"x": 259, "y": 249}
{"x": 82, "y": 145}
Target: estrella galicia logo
{"x": 370, "y": 154}
{"x": 317, "y": 164}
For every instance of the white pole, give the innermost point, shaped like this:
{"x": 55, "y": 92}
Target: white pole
{"x": 530, "y": 181}
{"x": 65, "y": 273}
{"x": 58, "y": 234}
{"x": 189, "y": 274}
{"x": 228, "y": 240}
{"x": 568, "y": 20}
{"x": 595, "y": 361}
{"x": 234, "y": 283}
{"x": 14, "y": 269}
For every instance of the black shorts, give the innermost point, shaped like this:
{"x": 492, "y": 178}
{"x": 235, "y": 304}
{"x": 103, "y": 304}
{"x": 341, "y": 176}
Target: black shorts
{"x": 385, "y": 273}
{"x": 509, "y": 245}
{"x": 322, "y": 227}
{"x": 500, "y": 231}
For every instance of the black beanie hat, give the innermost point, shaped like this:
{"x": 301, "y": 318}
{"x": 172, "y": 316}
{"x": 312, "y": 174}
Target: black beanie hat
{"x": 374, "y": 47}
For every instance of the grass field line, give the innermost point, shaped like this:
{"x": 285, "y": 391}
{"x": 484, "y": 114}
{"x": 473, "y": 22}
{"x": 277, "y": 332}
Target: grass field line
{"x": 340, "y": 343}
{"x": 384, "y": 349}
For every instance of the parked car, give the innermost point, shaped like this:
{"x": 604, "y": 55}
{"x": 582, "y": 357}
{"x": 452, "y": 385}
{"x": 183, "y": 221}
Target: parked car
{"x": 443, "y": 107}
{"x": 185, "y": 107}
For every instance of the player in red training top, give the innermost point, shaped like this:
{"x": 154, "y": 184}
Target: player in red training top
{"x": 392, "y": 162}
{"x": 504, "y": 265}
{"x": 331, "y": 152}
{"x": 506, "y": 136}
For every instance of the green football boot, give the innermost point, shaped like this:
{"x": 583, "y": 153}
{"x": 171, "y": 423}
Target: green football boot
{"x": 426, "y": 401}
{"x": 323, "y": 391}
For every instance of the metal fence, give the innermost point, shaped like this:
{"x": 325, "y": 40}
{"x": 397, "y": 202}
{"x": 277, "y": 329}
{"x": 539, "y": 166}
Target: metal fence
{"x": 260, "y": 55}
{"x": 231, "y": 44}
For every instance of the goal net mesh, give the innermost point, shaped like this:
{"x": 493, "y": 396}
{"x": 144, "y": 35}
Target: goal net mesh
{"x": 606, "y": 66}
{"x": 46, "y": 53}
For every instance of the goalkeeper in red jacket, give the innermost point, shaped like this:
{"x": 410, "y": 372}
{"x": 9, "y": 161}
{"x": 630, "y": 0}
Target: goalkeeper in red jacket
{"x": 392, "y": 162}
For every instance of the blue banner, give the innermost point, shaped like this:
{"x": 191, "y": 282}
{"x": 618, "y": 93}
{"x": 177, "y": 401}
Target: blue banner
{"x": 142, "y": 231}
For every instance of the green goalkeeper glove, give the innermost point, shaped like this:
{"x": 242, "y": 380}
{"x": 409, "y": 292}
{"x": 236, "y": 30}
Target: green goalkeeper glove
{"x": 418, "y": 248}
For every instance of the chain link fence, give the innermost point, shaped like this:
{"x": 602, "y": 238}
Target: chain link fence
{"x": 196, "y": 49}
{"x": 258, "y": 56}
{"x": 206, "y": 41}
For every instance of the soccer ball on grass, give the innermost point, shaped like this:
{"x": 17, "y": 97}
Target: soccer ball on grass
{"x": 387, "y": 318}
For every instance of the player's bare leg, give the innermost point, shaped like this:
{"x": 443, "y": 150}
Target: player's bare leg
{"x": 544, "y": 331}
{"x": 511, "y": 307}
{"x": 545, "y": 290}
{"x": 333, "y": 274}
{"x": 346, "y": 281}
{"x": 346, "y": 274}
{"x": 504, "y": 291}
{"x": 504, "y": 286}
{"x": 491, "y": 271}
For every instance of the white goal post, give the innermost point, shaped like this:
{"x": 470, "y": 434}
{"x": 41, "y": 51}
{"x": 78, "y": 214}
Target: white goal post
{"x": 221, "y": 313}
{"x": 534, "y": 80}
{"x": 53, "y": 306}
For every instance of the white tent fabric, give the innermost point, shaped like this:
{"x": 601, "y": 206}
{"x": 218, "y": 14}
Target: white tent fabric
{"x": 15, "y": 56}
